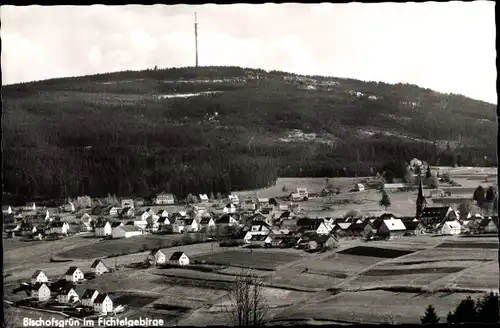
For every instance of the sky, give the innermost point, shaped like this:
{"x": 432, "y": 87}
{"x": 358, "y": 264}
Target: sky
{"x": 448, "y": 47}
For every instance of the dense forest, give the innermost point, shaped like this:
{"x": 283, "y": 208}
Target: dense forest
{"x": 113, "y": 133}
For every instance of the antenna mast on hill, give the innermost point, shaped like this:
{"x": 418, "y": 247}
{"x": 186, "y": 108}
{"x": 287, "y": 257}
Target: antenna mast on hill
{"x": 196, "y": 37}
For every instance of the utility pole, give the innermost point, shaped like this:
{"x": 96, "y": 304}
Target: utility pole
{"x": 196, "y": 37}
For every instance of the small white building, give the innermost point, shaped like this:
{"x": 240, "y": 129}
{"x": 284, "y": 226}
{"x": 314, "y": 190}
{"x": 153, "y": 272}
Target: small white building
{"x": 229, "y": 208}
{"x": 158, "y": 257}
{"x": 40, "y": 291}
{"x": 451, "y": 228}
{"x": 98, "y": 267}
{"x": 127, "y": 203}
{"x": 206, "y": 224}
{"x": 70, "y": 207}
{"x": 38, "y": 276}
{"x": 103, "y": 304}
{"x": 114, "y": 211}
{"x": 73, "y": 274}
{"x": 233, "y": 199}
{"x": 102, "y": 229}
{"x": 126, "y": 231}
{"x": 179, "y": 258}
{"x": 67, "y": 295}
{"x": 203, "y": 198}
{"x": 145, "y": 216}
{"x": 162, "y": 213}
{"x": 359, "y": 187}
{"x": 89, "y": 297}
{"x": 7, "y": 210}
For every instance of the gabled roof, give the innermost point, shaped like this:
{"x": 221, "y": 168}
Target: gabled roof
{"x": 224, "y": 219}
{"x": 205, "y": 220}
{"x": 101, "y": 224}
{"x": 188, "y": 221}
{"x": 411, "y": 225}
{"x": 344, "y": 225}
{"x": 160, "y": 212}
{"x": 357, "y": 226}
{"x": 258, "y": 237}
{"x": 100, "y": 298}
{"x": 36, "y": 273}
{"x": 89, "y": 292}
{"x": 176, "y": 256}
{"x": 394, "y": 225}
{"x": 453, "y": 224}
{"x": 484, "y": 222}
{"x": 37, "y": 285}
{"x": 162, "y": 220}
{"x": 96, "y": 262}
{"x": 309, "y": 223}
{"x": 116, "y": 224}
{"x": 435, "y": 212}
{"x": 71, "y": 270}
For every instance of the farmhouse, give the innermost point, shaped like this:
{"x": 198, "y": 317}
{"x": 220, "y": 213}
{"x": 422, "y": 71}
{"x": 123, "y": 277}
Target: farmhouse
{"x": 162, "y": 213}
{"x": 70, "y": 207}
{"x": 391, "y": 228}
{"x": 451, "y": 228}
{"x": 127, "y": 212}
{"x": 126, "y": 231}
{"x": 59, "y": 227}
{"x": 164, "y": 199}
{"x": 127, "y": 203}
{"x": 98, "y": 267}
{"x": 226, "y": 221}
{"x": 299, "y": 194}
{"x": 38, "y": 276}
{"x": 489, "y": 225}
{"x": 113, "y": 211}
{"x": 359, "y": 187}
{"x": 163, "y": 222}
{"x": 26, "y": 228}
{"x": 248, "y": 205}
{"x": 229, "y": 208}
{"x": 233, "y": 199}
{"x": 73, "y": 274}
{"x": 89, "y": 297}
{"x": 356, "y": 228}
{"x": 7, "y": 210}
{"x": 412, "y": 226}
{"x": 203, "y": 198}
{"x": 323, "y": 242}
{"x": 67, "y": 295}
{"x": 157, "y": 257}
{"x": 316, "y": 225}
{"x": 432, "y": 216}
{"x": 40, "y": 291}
{"x": 206, "y": 224}
{"x": 102, "y": 229}
{"x": 179, "y": 258}
{"x": 145, "y": 215}
{"x": 257, "y": 239}
{"x": 263, "y": 201}
{"x": 103, "y": 304}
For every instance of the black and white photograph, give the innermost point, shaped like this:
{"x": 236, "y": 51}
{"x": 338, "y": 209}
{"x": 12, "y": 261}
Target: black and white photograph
{"x": 249, "y": 164}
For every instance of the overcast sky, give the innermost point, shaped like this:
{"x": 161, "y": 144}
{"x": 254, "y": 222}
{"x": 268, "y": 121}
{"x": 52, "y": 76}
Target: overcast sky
{"x": 448, "y": 47}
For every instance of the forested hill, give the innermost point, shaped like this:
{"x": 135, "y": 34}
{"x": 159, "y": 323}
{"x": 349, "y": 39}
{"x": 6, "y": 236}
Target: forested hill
{"x": 197, "y": 130}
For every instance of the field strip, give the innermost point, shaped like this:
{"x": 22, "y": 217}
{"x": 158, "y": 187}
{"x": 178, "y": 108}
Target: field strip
{"x": 454, "y": 276}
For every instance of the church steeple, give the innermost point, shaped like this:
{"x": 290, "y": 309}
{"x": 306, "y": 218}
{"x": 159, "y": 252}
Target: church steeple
{"x": 421, "y": 202}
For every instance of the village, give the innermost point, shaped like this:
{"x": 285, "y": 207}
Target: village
{"x": 252, "y": 222}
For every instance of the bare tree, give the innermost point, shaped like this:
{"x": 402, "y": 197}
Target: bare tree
{"x": 248, "y": 306}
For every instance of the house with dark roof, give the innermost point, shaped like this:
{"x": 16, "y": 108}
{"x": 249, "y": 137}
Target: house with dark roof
{"x": 89, "y": 297}
{"x": 103, "y": 229}
{"x": 74, "y": 274}
{"x": 207, "y": 223}
{"x": 98, "y": 267}
{"x": 40, "y": 291}
{"x": 258, "y": 240}
{"x": 432, "y": 216}
{"x": 67, "y": 295}
{"x": 103, "y": 304}
{"x": 38, "y": 276}
{"x": 357, "y": 228}
{"x": 125, "y": 231}
{"x": 179, "y": 258}
{"x": 319, "y": 242}
{"x": 59, "y": 227}
{"x": 127, "y": 212}
{"x": 489, "y": 225}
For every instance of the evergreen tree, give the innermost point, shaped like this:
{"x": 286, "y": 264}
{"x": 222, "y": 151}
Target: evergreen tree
{"x": 428, "y": 173}
{"x": 479, "y": 196}
{"x": 487, "y": 308}
{"x": 430, "y": 316}
{"x": 385, "y": 201}
{"x": 465, "y": 311}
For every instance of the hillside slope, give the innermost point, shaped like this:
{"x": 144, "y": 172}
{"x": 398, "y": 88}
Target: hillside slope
{"x": 225, "y": 128}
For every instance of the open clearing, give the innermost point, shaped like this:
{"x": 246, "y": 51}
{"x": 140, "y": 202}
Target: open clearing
{"x": 268, "y": 259}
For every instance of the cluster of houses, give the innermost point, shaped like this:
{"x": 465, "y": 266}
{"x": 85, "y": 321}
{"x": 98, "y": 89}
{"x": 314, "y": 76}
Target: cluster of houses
{"x": 65, "y": 291}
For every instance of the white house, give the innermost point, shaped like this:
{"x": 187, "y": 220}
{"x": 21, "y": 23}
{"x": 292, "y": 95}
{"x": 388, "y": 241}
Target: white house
{"x": 233, "y": 199}
{"x": 229, "y": 208}
{"x": 186, "y": 225}
{"x": 359, "y": 187}
{"x": 162, "y": 213}
{"x": 126, "y": 231}
{"x": 7, "y": 210}
{"x": 203, "y": 198}
{"x": 40, "y": 291}
{"x": 451, "y": 228}
{"x": 140, "y": 224}
{"x": 86, "y": 218}
{"x": 145, "y": 215}
{"x": 127, "y": 203}
{"x": 73, "y": 274}
{"x": 263, "y": 201}
{"x": 113, "y": 211}
{"x": 396, "y": 186}
{"x": 179, "y": 258}
{"x": 67, "y": 295}
{"x": 59, "y": 227}
{"x": 392, "y": 228}
{"x": 102, "y": 229}
{"x": 250, "y": 234}
{"x": 70, "y": 207}
{"x": 89, "y": 297}
{"x": 38, "y": 276}
{"x": 206, "y": 224}
{"x": 98, "y": 267}
{"x": 103, "y": 304}
{"x": 159, "y": 257}
{"x": 164, "y": 199}
{"x": 226, "y": 221}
